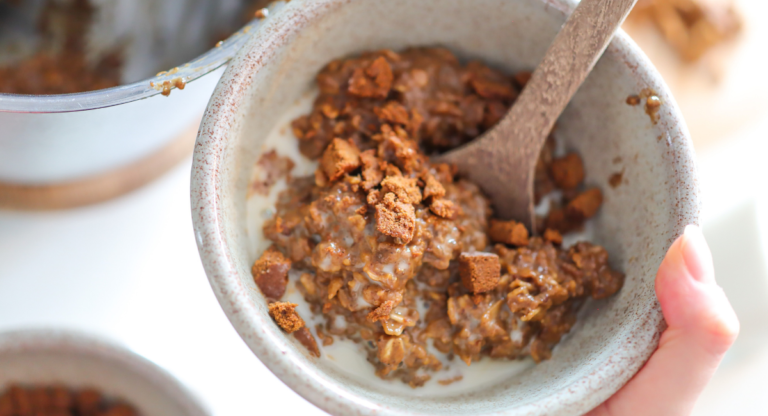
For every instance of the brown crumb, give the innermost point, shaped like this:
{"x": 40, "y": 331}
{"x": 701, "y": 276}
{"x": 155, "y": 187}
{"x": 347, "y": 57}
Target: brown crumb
{"x": 443, "y": 208}
{"x": 508, "y": 232}
{"x": 308, "y": 341}
{"x": 404, "y": 188}
{"x": 652, "y": 106}
{"x": 633, "y": 100}
{"x": 373, "y": 82}
{"x": 567, "y": 171}
{"x": 479, "y": 272}
{"x": 433, "y": 187}
{"x": 372, "y": 174}
{"x": 447, "y": 381}
{"x": 395, "y": 219}
{"x": 270, "y": 272}
{"x": 284, "y": 313}
{"x": 269, "y": 169}
{"x": 553, "y": 236}
{"x": 615, "y": 179}
{"x": 339, "y": 158}
{"x": 325, "y": 338}
{"x": 585, "y": 205}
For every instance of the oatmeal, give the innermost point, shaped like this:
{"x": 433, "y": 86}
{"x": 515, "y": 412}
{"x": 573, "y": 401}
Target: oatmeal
{"x": 403, "y": 256}
{"x": 62, "y": 66}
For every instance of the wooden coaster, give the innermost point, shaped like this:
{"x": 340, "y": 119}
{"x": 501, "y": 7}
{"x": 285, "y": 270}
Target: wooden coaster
{"x": 100, "y": 188}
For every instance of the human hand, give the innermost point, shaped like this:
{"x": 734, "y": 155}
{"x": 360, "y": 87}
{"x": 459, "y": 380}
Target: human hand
{"x": 701, "y": 327}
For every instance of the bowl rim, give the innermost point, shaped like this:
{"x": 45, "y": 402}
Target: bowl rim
{"x": 59, "y": 340}
{"x": 308, "y": 381}
{"x": 204, "y": 64}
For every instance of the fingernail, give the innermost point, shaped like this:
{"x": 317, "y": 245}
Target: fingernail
{"x": 697, "y": 256}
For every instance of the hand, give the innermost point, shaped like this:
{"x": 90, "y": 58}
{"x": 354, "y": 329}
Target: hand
{"x": 701, "y": 328}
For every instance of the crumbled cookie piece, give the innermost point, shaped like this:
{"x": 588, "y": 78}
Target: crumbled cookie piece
{"x": 372, "y": 173}
{"x": 284, "y": 313}
{"x": 508, "y": 232}
{"x": 393, "y": 112}
{"x": 373, "y": 82}
{"x": 479, "y": 272}
{"x": 567, "y": 171}
{"x": 404, "y": 188}
{"x": 433, "y": 188}
{"x": 339, "y": 158}
{"x": 270, "y": 272}
{"x": 585, "y": 205}
{"x": 395, "y": 219}
{"x": 443, "y": 208}
{"x": 308, "y": 341}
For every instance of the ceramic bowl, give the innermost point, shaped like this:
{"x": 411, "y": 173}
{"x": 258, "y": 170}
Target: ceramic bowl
{"x": 75, "y": 360}
{"x": 642, "y": 215}
{"x": 72, "y": 140}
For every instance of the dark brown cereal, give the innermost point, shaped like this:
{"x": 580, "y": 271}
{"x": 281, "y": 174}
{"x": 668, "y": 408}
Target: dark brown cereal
{"x": 378, "y": 217}
{"x": 479, "y": 271}
{"x": 270, "y": 272}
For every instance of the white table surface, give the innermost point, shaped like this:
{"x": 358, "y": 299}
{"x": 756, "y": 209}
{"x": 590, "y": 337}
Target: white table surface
{"x": 128, "y": 270}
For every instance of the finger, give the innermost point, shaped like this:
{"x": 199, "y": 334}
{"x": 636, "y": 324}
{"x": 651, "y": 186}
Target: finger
{"x": 701, "y": 327}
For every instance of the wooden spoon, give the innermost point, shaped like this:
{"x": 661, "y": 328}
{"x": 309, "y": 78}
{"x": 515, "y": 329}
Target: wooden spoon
{"x": 503, "y": 160}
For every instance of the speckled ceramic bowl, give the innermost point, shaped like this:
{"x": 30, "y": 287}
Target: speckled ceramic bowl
{"x": 641, "y": 216}
{"x": 59, "y": 357}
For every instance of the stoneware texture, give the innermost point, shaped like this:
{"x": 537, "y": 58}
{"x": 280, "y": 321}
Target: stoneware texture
{"x": 638, "y": 222}
{"x": 76, "y": 360}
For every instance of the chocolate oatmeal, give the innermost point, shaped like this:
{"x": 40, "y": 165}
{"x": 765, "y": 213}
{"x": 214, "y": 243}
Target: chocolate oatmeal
{"x": 402, "y": 255}
{"x": 59, "y": 401}
{"x": 62, "y": 65}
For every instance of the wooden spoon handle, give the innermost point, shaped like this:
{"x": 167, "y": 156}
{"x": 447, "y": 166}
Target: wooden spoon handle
{"x": 503, "y": 161}
{"x": 568, "y": 61}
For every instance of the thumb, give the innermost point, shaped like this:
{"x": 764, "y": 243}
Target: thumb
{"x": 701, "y": 327}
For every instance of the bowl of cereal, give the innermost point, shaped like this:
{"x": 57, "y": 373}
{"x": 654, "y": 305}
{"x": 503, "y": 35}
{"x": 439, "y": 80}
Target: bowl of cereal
{"x": 53, "y": 372}
{"x": 371, "y": 279}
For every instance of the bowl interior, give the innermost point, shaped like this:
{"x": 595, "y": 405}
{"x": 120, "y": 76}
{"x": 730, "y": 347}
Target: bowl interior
{"x": 72, "y": 360}
{"x": 639, "y": 220}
